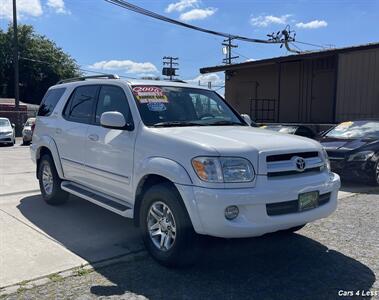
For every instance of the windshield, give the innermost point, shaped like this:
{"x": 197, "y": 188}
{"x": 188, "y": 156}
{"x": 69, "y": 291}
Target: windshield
{"x": 4, "y": 123}
{"x": 176, "y": 106}
{"x": 353, "y": 130}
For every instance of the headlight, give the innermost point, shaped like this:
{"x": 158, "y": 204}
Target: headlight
{"x": 361, "y": 156}
{"x": 223, "y": 169}
{"x": 326, "y": 160}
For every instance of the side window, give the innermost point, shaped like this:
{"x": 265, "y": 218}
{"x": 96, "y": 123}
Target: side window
{"x": 49, "y": 101}
{"x": 112, "y": 98}
{"x": 80, "y": 105}
{"x": 206, "y": 106}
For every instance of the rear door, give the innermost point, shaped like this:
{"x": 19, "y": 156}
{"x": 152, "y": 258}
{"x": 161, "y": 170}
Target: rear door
{"x": 71, "y": 132}
{"x": 109, "y": 152}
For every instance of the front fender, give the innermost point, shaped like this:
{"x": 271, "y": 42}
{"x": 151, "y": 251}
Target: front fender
{"x": 164, "y": 167}
{"x": 49, "y": 143}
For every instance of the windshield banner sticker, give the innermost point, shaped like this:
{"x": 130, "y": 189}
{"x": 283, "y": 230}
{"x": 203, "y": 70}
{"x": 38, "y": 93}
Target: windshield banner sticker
{"x": 156, "y": 106}
{"x": 149, "y": 94}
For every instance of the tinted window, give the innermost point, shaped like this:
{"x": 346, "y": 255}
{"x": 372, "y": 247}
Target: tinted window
{"x": 80, "y": 106}
{"x": 112, "y": 98}
{"x": 49, "y": 101}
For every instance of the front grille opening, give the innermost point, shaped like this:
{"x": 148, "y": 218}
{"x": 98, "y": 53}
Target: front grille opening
{"x": 288, "y": 173}
{"x": 291, "y": 207}
{"x": 288, "y": 156}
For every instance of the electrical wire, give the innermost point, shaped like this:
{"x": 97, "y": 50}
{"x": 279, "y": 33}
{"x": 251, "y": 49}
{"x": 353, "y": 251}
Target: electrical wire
{"x": 80, "y": 68}
{"x": 140, "y": 10}
{"x": 310, "y": 44}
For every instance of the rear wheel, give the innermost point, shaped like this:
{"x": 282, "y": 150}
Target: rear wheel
{"x": 50, "y": 183}
{"x": 166, "y": 227}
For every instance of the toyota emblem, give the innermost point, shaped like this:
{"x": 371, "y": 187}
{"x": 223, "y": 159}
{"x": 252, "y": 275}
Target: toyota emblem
{"x": 300, "y": 164}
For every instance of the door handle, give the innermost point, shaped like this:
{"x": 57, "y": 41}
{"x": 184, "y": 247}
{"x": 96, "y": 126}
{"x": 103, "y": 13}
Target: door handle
{"x": 93, "y": 137}
{"x": 58, "y": 130}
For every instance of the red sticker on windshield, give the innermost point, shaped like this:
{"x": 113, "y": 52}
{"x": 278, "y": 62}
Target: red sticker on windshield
{"x": 149, "y": 94}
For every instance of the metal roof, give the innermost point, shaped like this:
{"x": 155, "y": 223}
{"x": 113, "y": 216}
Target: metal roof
{"x": 288, "y": 58}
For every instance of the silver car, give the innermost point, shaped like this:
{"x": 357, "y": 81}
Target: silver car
{"x": 7, "y": 133}
{"x": 27, "y": 131}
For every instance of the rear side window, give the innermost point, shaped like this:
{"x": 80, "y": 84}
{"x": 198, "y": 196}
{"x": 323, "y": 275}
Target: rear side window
{"x": 81, "y": 103}
{"x": 49, "y": 101}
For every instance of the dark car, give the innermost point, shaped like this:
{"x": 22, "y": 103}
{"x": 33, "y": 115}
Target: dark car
{"x": 353, "y": 149}
{"x": 291, "y": 129}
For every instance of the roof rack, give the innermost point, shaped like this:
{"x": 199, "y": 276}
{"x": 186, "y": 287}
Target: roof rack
{"x": 108, "y": 76}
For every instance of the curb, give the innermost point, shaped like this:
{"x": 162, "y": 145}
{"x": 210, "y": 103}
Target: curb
{"x": 81, "y": 270}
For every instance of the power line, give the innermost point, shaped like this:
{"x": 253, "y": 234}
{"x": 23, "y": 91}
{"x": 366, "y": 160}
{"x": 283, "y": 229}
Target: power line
{"x": 310, "y": 44}
{"x": 140, "y": 10}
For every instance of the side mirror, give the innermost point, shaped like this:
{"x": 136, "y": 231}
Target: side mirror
{"x": 13, "y": 125}
{"x": 247, "y": 119}
{"x": 114, "y": 120}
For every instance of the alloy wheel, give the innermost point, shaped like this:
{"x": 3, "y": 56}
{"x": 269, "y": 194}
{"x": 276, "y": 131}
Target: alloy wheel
{"x": 161, "y": 226}
{"x": 47, "y": 179}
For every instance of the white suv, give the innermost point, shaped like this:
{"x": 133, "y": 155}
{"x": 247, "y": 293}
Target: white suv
{"x": 177, "y": 159}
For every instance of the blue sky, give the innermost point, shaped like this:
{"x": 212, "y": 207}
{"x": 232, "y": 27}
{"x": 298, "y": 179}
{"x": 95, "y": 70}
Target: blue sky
{"x": 103, "y": 37}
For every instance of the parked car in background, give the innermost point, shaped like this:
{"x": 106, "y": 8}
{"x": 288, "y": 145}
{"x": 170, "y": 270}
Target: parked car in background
{"x": 353, "y": 149}
{"x": 27, "y": 131}
{"x": 291, "y": 129}
{"x": 7, "y": 132}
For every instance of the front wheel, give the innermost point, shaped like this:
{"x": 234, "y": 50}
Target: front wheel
{"x": 375, "y": 176}
{"x": 166, "y": 227}
{"x": 50, "y": 183}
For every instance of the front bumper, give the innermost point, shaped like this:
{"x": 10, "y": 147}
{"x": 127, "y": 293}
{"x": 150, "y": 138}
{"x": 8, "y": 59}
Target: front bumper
{"x": 354, "y": 170}
{"x": 27, "y": 137}
{"x": 5, "y": 139}
{"x": 206, "y": 206}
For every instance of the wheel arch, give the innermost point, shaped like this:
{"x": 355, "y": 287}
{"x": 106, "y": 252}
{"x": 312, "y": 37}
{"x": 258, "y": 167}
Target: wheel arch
{"x": 48, "y": 146}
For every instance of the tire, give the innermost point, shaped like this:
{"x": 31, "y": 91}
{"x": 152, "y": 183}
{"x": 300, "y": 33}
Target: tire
{"x": 375, "y": 175}
{"x": 50, "y": 183}
{"x": 292, "y": 229}
{"x": 182, "y": 248}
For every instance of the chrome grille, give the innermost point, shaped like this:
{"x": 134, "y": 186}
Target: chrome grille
{"x": 287, "y": 163}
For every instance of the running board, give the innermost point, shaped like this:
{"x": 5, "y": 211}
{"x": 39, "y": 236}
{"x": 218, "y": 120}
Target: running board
{"x": 113, "y": 204}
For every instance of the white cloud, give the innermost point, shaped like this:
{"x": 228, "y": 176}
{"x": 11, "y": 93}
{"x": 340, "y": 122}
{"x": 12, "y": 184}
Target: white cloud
{"x": 264, "y": 21}
{"x": 205, "y": 78}
{"x": 126, "y": 66}
{"x": 312, "y": 24}
{"x": 25, "y": 8}
{"x": 197, "y": 14}
{"x": 250, "y": 59}
{"x": 58, "y": 6}
{"x": 181, "y": 5}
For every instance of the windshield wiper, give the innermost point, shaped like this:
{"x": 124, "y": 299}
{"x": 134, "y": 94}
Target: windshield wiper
{"x": 176, "y": 124}
{"x": 225, "y": 122}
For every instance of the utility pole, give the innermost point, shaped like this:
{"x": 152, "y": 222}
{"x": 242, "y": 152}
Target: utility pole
{"x": 227, "y": 50}
{"x": 15, "y": 58}
{"x": 170, "y": 66}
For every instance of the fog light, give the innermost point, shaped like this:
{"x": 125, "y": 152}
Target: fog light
{"x": 231, "y": 212}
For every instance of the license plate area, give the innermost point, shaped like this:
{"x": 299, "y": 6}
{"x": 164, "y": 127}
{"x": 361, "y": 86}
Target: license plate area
{"x": 308, "y": 200}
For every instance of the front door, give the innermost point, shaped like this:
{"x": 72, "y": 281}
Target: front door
{"x": 109, "y": 157}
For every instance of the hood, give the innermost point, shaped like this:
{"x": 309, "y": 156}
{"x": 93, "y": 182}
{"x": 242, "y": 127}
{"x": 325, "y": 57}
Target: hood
{"x": 6, "y": 128}
{"x": 233, "y": 140}
{"x": 344, "y": 144}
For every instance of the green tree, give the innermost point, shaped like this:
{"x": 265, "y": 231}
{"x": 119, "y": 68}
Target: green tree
{"x": 41, "y": 64}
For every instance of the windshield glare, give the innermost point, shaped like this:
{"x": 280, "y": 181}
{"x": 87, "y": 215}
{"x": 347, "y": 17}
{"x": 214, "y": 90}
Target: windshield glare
{"x": 357, "y": 129}
{"x": 179, "y": 106}
{"x": 4, "y": 123}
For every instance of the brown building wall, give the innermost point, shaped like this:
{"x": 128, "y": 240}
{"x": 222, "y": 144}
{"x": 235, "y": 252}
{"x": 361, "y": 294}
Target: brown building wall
{"x": 358, "y": 85}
